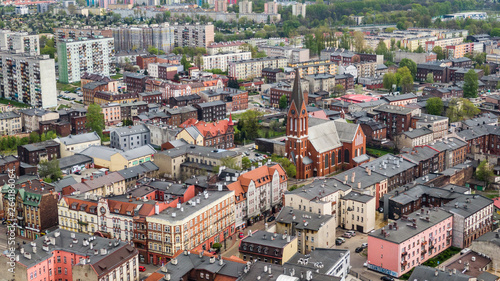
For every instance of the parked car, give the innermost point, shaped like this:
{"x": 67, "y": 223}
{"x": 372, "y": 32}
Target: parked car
{"x": 240, "y": 235}
{"x": 359, "y": 249}
{"x": 270, "y": 219}
{"x": 364, "y": 245}
{"x": 386, "y": 278}
{"x": 142, "y": 268}
{"x": 352, "y": 233}
{"x": 347, "y": 235}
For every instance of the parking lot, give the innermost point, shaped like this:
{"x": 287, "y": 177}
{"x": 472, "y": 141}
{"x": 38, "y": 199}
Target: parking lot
{"x": 68, "y": 98}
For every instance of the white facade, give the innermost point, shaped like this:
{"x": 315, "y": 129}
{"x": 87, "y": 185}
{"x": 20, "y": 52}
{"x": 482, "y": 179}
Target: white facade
{"x": 28, "y": 79}
{"x": 221, "y": 61}
{"x": 252, "y": 68}
{"x": 87, "y": 55}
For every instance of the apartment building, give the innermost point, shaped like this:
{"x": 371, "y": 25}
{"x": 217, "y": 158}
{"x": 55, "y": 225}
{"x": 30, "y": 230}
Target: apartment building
{"x": 235, "y": 99}
{"x": 440, "y": 73}
{"x": 245, "y": 7}
{"x": 10, "y": 123}
{"x": 211, "y": 111}
{"x": 219, "y": 134}
{"x": 92, "y": 55}
{"x": 410, "y": 241}
{"x": 257, "y": 192}
{"x": 28, "y": 79}
{"x": 396, "y": 169}
{"x": 415, "y": 137}
{"x": 311, "y": 230}
{"x": 225, "y": 47}
{"x": 299, "y": 9}
{"x": 220, "y": 6}
{"x": 100, "y": 185}
{"x": 315, "y": 67}
{"x": 36, "y": 152}
{"x": 194, "y": 35}
{"x": 268, "y": 247}
{"x": 396, "y": 118}
{"x": 437, "y": 124}
{"x": 66, "y": 255}
{"x": 127, "y": 138}
{"x": 35, "y": 208}
{"x": 184, "y": 160}
{"x": 472, "y": 218}
{"x": 19, "y": 42}
{"x": 62, "y": 33}
{"x": 206, "y": 219}
{"x": 252, "y": 68}
{"x": 129, "y": 38}
{"x": 32, "y": 117}
{"x": 111, "y": 113}
{"x": 452, "y": 150}
{"x": 459, "y": 50}
{"x": 357, "y": 212}
{"x": 163, "y": 70}
{"x": 294, "y": 55}
{"x": 75, "y": 143}
{"x": 221, "y": 61}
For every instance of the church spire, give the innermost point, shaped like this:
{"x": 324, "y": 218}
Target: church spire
{"x": 297, "y": 94}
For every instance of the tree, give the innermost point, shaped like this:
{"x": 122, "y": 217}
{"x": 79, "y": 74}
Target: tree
{"x": 230, "y": 162}
{"x": 185, "y": 63}
{"x": 127, "y": 122}
{"x": 251, "y": 124}
{"x": 429, "y": 78}
{"x": 283, "y": 102}
{"x": 471, "y": 84}
{"x": 405, "y": 79}
{"x": 233, "y": 83}
{"x": 359, "y": 41}
{"x": 389, "y": 80}
{"x": 411, "y": 65}
{"x": 495, "y": 32}
{"x": 440, "y": 55}
{"x": 287, "y": 165}
{"x": 34, "y": 137}
{"x": 434, "y": 106}
{"x": 484, "y": 172}
{"x": 468, "y": 109}
{"x": 95, "y": 119}
{"x": 50, "y": 169}
{"x": 358, "y": 89}
{"x": 176, "y": 77}
{"x": 339, "y": 89}
{"x": 246, "y": 163}
{"x": 420, "y": 49}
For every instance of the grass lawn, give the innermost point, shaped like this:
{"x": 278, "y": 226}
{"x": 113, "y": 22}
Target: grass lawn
{"x": 271, "y": 133}
{"x": 491, "y": 195}
{"x": 117, "y": 76}
{"x": 433, "y": 262}
{"x": 13, "y": 103}
{"x": 376, "y": 152}
{"x": 66, "y": 87}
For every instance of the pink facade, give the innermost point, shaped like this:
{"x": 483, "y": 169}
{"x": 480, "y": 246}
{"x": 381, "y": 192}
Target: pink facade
{"x": 410, "y": 241}
{"x": 58, "y": 267}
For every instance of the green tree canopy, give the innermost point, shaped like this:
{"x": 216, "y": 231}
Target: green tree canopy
{"x": 440, "y": 54}
{"x": 251, "y": 124}
{"x": 50, "y": 169}
{"x": 405, "y": 79}
{"x": 471, "y": 84}
{"x": 484, "y": 172}
{"x": 95, "y": 119}
{"x": 411, "y": 65}
{"x": 389, "y": 80}
{"x": 434, "y": 106}
{"x": 283, "y": 103}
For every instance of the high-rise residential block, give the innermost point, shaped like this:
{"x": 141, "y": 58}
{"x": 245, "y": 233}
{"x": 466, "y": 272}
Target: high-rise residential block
{"x": 245, "y": 7}
{"x": 194, "y": 35}
{"x": 251, "y": 68}
{"x": 87, "y": 55}
{"x": 28, "y": 79}
{"x": 143, "y": 37}
{"x": 19, "y": 42}
{"x": 271, "y": 8}
{"x": 220, "y": 5}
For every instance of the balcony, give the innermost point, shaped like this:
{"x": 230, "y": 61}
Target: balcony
{"x": 404, "y": 254}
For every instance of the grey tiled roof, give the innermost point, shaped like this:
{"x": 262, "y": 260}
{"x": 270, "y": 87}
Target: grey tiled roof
{"x": 8, "y": 115}
{"x": 140, "y": 169}
{"x": 302, "y": 219}
{"x": 319, "y": 188}
{"x": 358, "y": 197}
{"x": 394, "y": 109}
{"x": 400, "y": 97}
{"x": 264, "y": 238}
{"x": 328, "y": 258}
{"x": 40, "y": 145}
{"x": 426, "y": 273}
{"x": 415, "y": 133}
{"x": 389, "y": 165}
{"x": 70, "y": 161}
{"x": 468, "y": 205}
{"x": 131, "y": 130}
{"x": 75, "y": 139}
{"x": 405, "y": 232}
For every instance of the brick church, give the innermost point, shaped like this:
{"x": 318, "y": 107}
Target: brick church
{"x": 319, "y": 147}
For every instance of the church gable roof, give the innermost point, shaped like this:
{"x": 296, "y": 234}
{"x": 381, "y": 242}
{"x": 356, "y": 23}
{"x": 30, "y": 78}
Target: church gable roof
{"x": 346, "y": 131}
{"x": 324, "y": 137}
